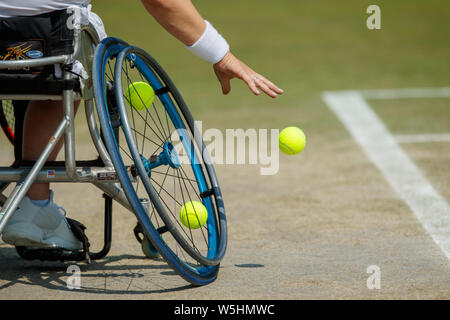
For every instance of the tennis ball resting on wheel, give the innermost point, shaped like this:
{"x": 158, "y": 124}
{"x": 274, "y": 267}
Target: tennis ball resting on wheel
{"x": 291, "y": 140}
{"x": 193, "y": 214}
{"x": 140, "y": 95}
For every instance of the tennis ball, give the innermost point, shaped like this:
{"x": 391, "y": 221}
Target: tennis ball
{"x": 193, "y": 214}
{"x": 140, "y": 95}
{"x": 292, "y": 140}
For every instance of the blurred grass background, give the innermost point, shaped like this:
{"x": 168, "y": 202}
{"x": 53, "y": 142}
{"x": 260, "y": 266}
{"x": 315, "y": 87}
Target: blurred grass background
{"x": 304, "y": 46}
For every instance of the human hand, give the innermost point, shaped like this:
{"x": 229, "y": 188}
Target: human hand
{"x": 230, "y": 67}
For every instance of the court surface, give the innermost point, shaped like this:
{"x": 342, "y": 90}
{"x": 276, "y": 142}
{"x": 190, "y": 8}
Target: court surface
{"x": 348, "y": 203}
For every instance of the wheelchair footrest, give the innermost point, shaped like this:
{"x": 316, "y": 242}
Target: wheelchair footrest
{"x": 50, "y": 254}
{"x": 59, "y": 254}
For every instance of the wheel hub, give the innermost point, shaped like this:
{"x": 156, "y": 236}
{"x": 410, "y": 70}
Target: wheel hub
{"x": 168, "y": 156}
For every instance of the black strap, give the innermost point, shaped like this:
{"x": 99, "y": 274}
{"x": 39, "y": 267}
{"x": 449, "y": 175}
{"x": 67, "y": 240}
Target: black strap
{"x": 161, "y": 91}
{"x": 78, "y": 231}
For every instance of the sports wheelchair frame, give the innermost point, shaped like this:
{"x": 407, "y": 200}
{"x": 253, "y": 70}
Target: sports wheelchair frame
{"x": 130, "y": 155}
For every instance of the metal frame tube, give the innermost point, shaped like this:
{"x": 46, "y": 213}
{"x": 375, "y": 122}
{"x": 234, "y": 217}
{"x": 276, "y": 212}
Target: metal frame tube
{"x": 115, "y": 192}
{"x": 22, "y": 186}
{"x": 69, "y": 134}
{"x": 95, "y": 134}
{"x": 58, "y": 174}
{"x": 31, "y": 63}
{"x": 30, "y": 97}
{"x": 25, "y": 177}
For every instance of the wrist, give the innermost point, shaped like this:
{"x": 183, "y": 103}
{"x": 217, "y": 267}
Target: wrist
{"x": 225, "y": 60}
{"x": 211, "y": 46}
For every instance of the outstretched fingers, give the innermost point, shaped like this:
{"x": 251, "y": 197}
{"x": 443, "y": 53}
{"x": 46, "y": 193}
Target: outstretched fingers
{"x": 271, "y": 85}
{"x": 230, "y": 67}
{"x": 251, "y": 84}
{"x": 258, "y": 81}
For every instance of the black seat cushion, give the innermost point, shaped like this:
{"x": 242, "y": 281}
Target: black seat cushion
{"x": 44, "y": 35}
{"x": 50, "y": 27}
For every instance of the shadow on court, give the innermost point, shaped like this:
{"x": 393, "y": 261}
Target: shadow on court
{"x": 111, "y": 275}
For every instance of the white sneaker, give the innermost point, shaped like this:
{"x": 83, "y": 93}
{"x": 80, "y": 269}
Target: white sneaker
{"x": 20, "y": 230}
{"x": 35, "y": 226}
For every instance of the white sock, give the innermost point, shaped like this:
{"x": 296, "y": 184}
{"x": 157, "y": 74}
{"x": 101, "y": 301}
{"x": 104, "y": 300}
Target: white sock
{"x": 40, "y": 203}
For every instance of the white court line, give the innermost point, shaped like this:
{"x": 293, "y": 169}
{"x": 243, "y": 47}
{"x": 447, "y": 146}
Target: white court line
{"x": 406, "y": 93}
{"x": 422, "y": 138}
{"x": 399, "y": 170}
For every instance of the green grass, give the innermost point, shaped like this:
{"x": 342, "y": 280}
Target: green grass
{"x": 414, "y": 116}
{"x": 304, "y": 46}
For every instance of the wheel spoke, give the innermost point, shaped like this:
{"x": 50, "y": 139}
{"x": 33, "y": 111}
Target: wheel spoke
{"x": 171, "y": 175}
{"x": 129, "y": 82}
{"x": 149, "y": 132}
{"x": 190, "y": 199}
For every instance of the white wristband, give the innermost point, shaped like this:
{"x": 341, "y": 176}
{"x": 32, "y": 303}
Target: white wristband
{"x": 211, "y": 46}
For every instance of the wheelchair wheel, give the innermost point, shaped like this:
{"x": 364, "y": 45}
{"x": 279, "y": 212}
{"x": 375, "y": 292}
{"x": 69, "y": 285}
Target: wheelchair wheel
{"x": 193, "y": 254}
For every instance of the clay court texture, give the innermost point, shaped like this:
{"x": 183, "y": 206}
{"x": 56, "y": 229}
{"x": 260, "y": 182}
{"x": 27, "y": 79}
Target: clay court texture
{"x": 371, "y": 188}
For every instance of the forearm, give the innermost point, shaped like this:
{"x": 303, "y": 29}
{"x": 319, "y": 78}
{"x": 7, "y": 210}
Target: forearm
{"x": 182, "y": 20}
{"x": 178, "y": 17}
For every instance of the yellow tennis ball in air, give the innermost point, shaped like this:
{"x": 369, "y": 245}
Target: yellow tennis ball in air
{"x": 193, "y": 214}
{"x": 140, "y": 95}
{"x": 292, "y": 140}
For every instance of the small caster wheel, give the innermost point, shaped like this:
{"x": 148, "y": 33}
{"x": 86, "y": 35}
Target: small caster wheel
{"x": 148, "y": 249}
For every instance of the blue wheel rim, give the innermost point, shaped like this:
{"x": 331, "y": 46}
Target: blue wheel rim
{"x": 187, "y": 142}
{"x": 108, "y": 48}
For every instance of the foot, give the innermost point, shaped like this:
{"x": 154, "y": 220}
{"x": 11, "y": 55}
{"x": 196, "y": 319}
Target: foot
{"x": 40, "y": 227}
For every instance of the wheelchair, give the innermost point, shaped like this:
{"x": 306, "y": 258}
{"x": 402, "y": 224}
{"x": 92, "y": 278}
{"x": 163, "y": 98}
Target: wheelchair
{"x": 150, "y": 160}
